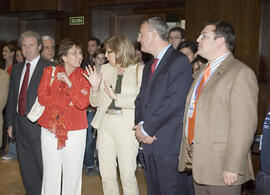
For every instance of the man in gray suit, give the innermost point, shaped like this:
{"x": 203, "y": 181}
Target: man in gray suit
{"x": 220, "y": 117}
{"x": 24, "y": 81}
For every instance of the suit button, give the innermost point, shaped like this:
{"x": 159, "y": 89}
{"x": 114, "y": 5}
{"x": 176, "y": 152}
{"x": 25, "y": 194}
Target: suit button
{"x": 145, "y": 105}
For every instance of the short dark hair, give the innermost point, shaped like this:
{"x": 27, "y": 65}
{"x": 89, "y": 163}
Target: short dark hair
{"x": 96, "y": 40}
{"x": 188, "y": 44}
{"x": 64, "y": 47}
{"x": 179, "y": 29}
{"x": 224, "y": 29}
{"x": 97, "y": 52}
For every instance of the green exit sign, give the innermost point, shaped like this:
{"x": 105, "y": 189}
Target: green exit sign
{"x": 78, "y": 20}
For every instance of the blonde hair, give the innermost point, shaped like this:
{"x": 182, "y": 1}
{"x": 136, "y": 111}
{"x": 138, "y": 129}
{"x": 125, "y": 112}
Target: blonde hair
{"x": 125, "y": 53}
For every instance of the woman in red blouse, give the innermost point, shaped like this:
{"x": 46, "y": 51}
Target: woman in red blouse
{"x": 63, "y": 122}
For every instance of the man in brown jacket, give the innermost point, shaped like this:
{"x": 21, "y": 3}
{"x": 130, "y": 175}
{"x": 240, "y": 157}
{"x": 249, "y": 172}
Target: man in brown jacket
{"x": 220, "y": 117}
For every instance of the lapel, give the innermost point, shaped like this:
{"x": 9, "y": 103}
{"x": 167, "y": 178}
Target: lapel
{"x": 162, "y": 64}
{"x": 216, "y": 75}
{"x": 36, "y": 76}
{"x": 18, "y": 75}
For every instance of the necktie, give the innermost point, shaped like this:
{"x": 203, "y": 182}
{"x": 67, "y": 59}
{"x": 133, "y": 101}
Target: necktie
{"x": 191, "y": 121}
{"x": 153, "y": 67}
{"x": 23, "y": 92}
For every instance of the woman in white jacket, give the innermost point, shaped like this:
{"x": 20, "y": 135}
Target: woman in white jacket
{"x": 113, "y": 92}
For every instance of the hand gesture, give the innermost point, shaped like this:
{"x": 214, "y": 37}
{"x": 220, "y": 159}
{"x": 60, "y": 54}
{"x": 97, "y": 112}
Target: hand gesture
{"x": 109, "y": 90}
{"x": 61, "y": 76}
{"x": 93, "y": 77}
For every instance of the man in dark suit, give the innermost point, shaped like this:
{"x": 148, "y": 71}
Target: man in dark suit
{"x": 159, "y": 110}
{"x": 24, "y": 81}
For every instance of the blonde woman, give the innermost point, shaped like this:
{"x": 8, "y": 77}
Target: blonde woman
{"x": 113, "y": 92}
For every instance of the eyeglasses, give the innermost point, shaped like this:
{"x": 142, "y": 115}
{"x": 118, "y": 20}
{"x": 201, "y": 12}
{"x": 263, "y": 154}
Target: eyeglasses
{"x": 174, "y": 38}
{"x": 76, "y": 53}
{"x": 205, "y": 36}
{"x": 48, "y": 47}
{"x": 108, "y": 52}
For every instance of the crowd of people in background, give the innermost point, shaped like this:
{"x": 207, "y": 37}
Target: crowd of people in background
{"x": 190, "y": 106}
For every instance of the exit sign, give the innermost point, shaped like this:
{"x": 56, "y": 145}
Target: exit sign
{"x": 78, "y": 20}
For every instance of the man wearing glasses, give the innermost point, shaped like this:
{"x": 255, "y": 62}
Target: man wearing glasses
{"x": 220, "y": 117}
{"x": 176, "y": 36}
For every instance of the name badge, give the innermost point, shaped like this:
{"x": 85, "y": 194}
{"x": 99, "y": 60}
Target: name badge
{"x": 191, "y": 110}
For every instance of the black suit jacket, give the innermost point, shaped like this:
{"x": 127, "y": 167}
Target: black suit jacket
{"x": 161, "y": 102}
{"x": 33, "y": 129}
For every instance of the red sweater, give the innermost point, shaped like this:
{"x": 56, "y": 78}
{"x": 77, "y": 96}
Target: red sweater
{"x": 64, "y": 108}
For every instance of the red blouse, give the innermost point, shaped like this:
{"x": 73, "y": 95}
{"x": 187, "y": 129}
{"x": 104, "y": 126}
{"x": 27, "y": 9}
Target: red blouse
{"x": 64, "y": 108}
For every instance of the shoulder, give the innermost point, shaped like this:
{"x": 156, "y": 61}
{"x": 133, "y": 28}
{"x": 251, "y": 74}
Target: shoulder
{"x": 236, "y": 66}
{"x": 105, "y": 68}
{"x": 49, "y": 68}
{"x": 44, "y": 62}
{"x": 3, "y": 74}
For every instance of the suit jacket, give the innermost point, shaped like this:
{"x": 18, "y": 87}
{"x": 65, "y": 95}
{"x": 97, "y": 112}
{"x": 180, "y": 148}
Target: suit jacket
{"x": 12, "y": 103}
{"x": 225, "y": 123}
{"x": 161, "y": 102}
{"x": 131, "y": 83}
{"x": 4, "y": 80}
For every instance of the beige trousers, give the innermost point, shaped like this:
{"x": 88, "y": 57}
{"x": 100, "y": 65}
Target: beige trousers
{"x": 116, "y": 142}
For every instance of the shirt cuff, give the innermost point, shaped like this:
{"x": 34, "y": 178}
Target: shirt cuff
{"x": 143, "y": 131}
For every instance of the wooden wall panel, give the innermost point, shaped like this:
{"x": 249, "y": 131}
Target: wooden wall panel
{"x": 31, "y": 5}
{"x": 77, "y": 32}
{"x": 264, "y": 49}
{"x": 244, "y": 15}
{"x": 94, "y": 3}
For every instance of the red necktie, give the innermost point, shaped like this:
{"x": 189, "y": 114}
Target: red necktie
{"x": 23, "y": 92}
{"x": 191, "y": 121}
{"x": 153, "y": 67}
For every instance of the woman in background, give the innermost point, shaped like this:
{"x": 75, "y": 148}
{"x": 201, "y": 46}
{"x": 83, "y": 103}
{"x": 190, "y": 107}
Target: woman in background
{"x": 113, "y": 92}
{"x": 63, "y": 122}
{"x": 19, "y": 56}
{"x": 9, "y": 58}
{"x": 190, "y": 48}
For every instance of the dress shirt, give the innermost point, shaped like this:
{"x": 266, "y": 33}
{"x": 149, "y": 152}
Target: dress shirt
{"x": 213, "y": 67}
{"x": 31, "y": 70}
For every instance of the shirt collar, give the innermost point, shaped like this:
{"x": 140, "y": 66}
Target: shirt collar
{"x": 161, "y": 54}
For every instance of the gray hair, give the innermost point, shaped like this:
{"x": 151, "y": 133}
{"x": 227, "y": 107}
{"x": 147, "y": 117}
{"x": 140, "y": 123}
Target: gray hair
{"x": 47, "y": 37}
{"x": 28, "y": 34}
{"x": 156, "y": 23}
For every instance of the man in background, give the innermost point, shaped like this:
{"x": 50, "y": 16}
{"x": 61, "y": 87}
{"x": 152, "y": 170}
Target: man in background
{"x": 176, "y": 36}
{"x": 93, "y": 45}
{"x": 48, "y": 48}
